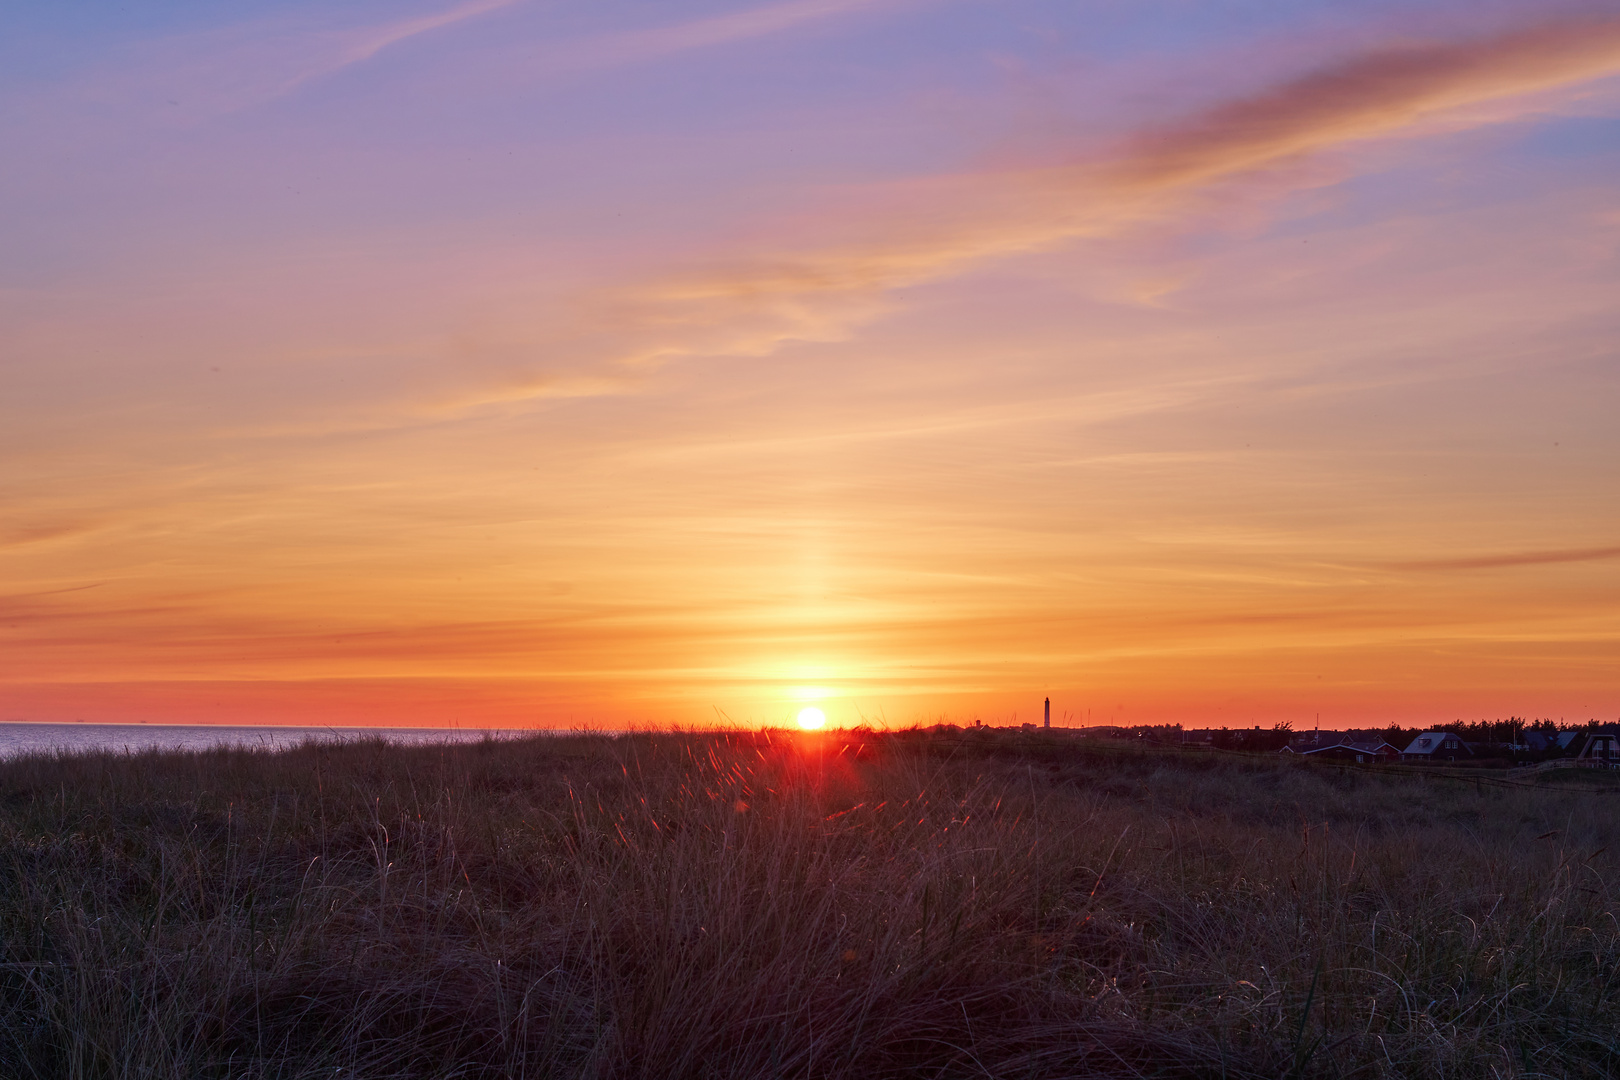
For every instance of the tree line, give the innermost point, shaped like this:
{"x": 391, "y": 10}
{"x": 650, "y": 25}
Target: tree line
{"x": 1509, "y": 732}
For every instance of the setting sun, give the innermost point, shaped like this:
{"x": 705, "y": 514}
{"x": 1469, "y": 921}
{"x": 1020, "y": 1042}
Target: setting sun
{"x": 812, "y": 719}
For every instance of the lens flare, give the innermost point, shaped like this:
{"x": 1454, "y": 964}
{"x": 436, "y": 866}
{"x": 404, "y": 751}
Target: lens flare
{"x": 812, "y": 719}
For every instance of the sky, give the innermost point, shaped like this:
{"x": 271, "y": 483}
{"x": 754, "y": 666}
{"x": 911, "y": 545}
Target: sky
{"x": 542, "y": 362}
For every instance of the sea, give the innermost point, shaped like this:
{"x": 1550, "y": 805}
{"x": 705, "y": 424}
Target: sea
{"x": 17, "y": 739}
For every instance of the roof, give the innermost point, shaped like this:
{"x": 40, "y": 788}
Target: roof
{"x": 1360, "y": 746}
{"x": 1432, "y": 742}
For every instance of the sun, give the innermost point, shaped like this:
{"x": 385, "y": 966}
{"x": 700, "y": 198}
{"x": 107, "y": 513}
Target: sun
{"x": 812, "y": 719}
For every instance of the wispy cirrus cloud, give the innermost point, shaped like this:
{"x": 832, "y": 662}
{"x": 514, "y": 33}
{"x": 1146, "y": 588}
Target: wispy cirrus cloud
{"x": 1378, "y": 94}
{"x": 1385, "y": 93}
{"x": 716, "y": 30}
{"x": 1510, "y": 559}
{"x": 612, "y": 49}
{"x": 39, "y": 533}
{"x": 221, "y": 71}
{"x": 368, "y": 43}
{"x": 942, "y": 226}
{"x": 207, "y": 74}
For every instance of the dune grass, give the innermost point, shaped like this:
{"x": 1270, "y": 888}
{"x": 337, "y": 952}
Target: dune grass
{"x": 931, "y": 903}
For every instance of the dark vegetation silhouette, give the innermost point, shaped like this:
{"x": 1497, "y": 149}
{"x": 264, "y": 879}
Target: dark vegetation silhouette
{"x": 926, "y": 903}
{"x": 1502, "y": 738}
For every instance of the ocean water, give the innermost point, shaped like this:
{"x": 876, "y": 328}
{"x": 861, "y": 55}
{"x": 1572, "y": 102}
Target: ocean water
{"x": 17, "y": 739}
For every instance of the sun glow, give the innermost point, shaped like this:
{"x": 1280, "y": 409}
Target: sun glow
{"x": 809, "y": 693}
{"x": 812, "y": 719}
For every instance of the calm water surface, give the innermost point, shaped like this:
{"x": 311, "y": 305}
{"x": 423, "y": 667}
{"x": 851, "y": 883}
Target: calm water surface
{"x": 16, "y": 739}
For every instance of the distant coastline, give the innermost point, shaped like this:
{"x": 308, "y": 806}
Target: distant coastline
{"x": 21, "y": 737}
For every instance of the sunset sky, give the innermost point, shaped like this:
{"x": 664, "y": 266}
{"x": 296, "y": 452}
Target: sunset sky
{"x": 548, "y": 362}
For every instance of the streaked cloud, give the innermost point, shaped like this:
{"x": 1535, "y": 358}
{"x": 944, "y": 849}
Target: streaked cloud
{"x": 368, "y": 43}
{"x": 19, "y": 534}
{"x": 745, "y": 24}
{"x": 1510, "y": 559}
{"x": 205, "y": 75}
{"x": 1378, "y": 94}
{"x": 217, "y": 72}
{"x": 14, "y": 602}
{"x": 753, "y": 304}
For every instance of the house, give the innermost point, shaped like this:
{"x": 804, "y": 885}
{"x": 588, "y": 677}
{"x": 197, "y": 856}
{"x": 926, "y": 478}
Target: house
{"x": 1436, "y": 746}
{"x": 1599, "y": 749}
{"x": 1377, "y": 749}
{"x": 1363, "y": 750}
{"x": 1599, "y": 752}
{"x": 1539, "y": 742}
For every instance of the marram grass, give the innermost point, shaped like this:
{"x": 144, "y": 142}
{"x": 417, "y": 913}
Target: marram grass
{"x": 930, "y": 903}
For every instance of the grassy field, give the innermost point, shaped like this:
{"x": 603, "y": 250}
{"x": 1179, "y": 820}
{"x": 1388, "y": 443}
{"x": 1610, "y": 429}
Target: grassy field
{"x": 932, "y": 903}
